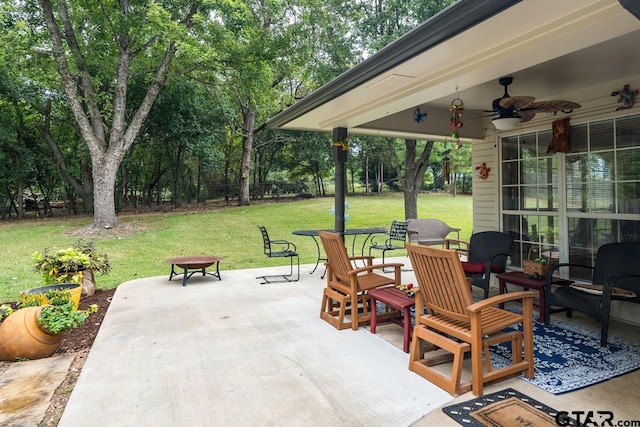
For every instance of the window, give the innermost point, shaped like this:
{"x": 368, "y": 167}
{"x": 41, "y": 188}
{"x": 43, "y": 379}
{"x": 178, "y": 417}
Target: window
{"x": 529, "y": 194}
{"x": 597, "y": 196}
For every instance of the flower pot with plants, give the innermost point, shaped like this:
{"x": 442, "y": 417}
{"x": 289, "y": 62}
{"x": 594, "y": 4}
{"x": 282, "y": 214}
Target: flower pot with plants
{"x": 76, "y": 264}
{"x": 40, "y": 293}
{"x": 35, "y": 331}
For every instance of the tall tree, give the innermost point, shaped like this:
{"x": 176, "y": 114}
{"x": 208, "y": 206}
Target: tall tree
{"x": 381, "y": 22}
{"x": 415, "y": 168}
{"x": 271, "y": 53}
{"x": 97, "y": 47}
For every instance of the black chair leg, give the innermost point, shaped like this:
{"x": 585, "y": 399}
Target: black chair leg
{"x": 604, "y": 327}
{"x": 281, "y": 278}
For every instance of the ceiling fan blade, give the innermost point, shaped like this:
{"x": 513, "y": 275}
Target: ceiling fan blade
{"x": 552, "y": 106}
{"x": 480, "y": 111}
{"x": 526, "y": 115}
{"x": 516, "y": 102}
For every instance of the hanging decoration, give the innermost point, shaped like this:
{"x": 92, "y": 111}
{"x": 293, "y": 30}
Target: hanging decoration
{"x": 457, "y": 108}
{"x": 419, "y": 116}
{"x": 484, "y": 171}
{"x": 626, "y": 97}
{"x": 446, "y": 170}
{"x": 332, "y": 211}
{"x": 344, "y": 143}
{"x": 560, "y": 137}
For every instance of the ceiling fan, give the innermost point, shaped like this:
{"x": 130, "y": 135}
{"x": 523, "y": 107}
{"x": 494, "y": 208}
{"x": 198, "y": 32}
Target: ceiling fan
{"x": 524, "y": 107}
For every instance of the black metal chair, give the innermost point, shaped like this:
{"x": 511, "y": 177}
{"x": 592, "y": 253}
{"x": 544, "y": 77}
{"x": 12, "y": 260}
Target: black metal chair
{"x": 286, "y": 250}
{"x": 617, "y": 265}
{"x": 395, "y": 240}
{"x": 486, "y": 253}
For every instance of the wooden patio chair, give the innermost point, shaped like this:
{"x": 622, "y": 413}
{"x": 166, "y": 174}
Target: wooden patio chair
{"x": 347, "y": 285}
{"x": 457, "y": 325}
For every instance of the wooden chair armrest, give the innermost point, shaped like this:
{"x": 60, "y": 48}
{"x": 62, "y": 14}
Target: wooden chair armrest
{"x": 448, "y": 242}
{"x": 500, "y": 299}
{"x": 370, "y": 268}
{"x": 367, "y": 258}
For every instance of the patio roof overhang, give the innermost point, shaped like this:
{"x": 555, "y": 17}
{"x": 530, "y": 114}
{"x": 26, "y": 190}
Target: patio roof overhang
{"x": 551, "y": 48}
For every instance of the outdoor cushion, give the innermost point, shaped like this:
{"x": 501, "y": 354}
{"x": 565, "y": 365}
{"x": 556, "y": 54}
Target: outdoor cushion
{"x": 476, "y": 267}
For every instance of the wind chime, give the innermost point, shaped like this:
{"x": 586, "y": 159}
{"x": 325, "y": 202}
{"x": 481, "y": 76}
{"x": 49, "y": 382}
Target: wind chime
{"x": 457, "y": 108}
{"x": 446, "y": 170}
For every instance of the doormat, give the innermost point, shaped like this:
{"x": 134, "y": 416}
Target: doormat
{"x": 569, "y": 357}
{"x": 504, "y": 409}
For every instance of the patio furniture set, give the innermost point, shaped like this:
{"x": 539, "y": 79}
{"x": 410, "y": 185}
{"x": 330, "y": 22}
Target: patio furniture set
{"x": 448, "y": 323}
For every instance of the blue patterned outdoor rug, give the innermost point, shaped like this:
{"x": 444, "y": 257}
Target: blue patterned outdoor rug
{"x": 568, "y": 357}
{"x": 504, "y": 409}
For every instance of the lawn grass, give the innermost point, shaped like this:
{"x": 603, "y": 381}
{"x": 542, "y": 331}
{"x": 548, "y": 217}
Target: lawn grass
{"x": 230, "y": 232}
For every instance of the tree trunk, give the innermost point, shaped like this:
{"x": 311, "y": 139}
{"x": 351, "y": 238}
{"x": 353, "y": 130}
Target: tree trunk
{"x": 20, "y": 197}
{"x": 414, "y": 176}
{"x": 107, "y": 134}
{"x": 178, "y": 176}
{"x": 245, "y": 161}
{"x": 366, "y": 174}
{"x": 454, "y": 186}
{"x": 104, "y": 208}
{"x": 83, "y": 187}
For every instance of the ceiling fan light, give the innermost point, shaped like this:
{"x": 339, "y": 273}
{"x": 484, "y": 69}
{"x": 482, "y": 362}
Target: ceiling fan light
{"x": 506, "y": 123}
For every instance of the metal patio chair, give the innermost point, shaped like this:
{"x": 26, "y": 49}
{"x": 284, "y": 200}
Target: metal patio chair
{"x": 395, "y": 240}
{"x": 283, "y": 249}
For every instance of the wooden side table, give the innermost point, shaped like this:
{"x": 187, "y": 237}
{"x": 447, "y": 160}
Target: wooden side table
{"x": 519, "y": 278}
{"x": 397, "y": 299}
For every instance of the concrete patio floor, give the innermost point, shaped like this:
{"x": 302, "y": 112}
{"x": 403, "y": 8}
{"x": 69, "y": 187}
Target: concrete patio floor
{"x": 235, "y": 352}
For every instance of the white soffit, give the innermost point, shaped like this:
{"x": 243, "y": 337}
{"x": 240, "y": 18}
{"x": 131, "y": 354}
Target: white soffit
{"x": 529, "y": 33}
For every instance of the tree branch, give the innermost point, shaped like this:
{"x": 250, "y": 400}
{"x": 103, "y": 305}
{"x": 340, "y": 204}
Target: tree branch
{"x": 86, "y": 129}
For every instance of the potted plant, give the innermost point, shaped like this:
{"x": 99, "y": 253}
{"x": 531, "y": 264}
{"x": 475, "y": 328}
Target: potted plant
{"x": 75, "y": 264}
{"x": 5, "y": 310}
{"x": 35, "y": 331}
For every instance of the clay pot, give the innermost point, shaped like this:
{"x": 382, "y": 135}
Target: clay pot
{"x": 22, "y": 337}
{"x": 75, "y": 288}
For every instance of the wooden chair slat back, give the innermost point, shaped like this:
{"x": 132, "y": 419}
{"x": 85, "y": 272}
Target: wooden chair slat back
{"x": 337, "y": 255}
{"x": 442, "y": 283}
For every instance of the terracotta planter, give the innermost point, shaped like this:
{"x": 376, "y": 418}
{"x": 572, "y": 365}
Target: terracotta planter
{"x": 75, "y": 288}
{"x": 22, "y": 337}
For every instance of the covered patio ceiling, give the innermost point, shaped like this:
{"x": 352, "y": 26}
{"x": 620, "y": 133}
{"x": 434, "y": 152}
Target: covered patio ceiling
{"x": 551, "y": 48}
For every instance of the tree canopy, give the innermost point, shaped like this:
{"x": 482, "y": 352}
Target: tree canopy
{"x": 109, "y": 104}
